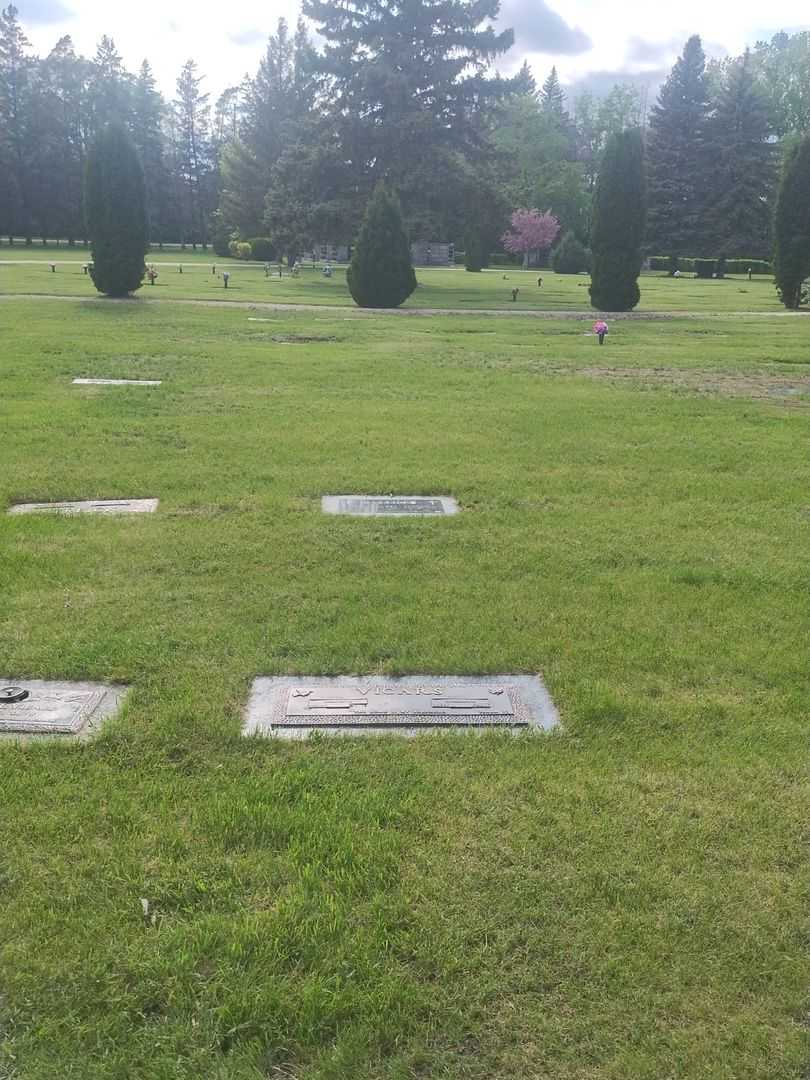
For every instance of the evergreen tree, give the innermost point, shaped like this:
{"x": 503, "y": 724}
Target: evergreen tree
{"x": 792, "y": 225}
{"x": 115, "y": 205}
{"x": 147, "y": 134}
{"x": 738, "y": 214}
{"x": 679, "y": 172}
{"x": 17, "y": 137}
{"x": 110, "y": 86}
{"x": 381, "y": 274}
{"x": 193, "y": 155}
{"x": 552, "y": 98}
{"x": 63, "y": 78}
{"x": 570, "y": 256}
{"x": 406, "y": 86}
{"x": 617, "y": 225}
{"x": 476, "y": 249}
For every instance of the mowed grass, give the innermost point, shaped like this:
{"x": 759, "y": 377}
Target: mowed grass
{"x": 625, "y": 898}
{"x": 438, "y": 288}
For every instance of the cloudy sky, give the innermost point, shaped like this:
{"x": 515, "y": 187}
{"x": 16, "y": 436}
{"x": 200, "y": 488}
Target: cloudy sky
{"x": 596, "y": 41}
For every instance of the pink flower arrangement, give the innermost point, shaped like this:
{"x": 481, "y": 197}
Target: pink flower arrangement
{"x": 600, "y": 327}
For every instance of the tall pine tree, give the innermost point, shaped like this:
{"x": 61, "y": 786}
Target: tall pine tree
{"x": 406, "y": 85}
{"x": 552, "y": 98}
{"x": 17, "y": 135}
{"x": 678, "y": 168}
{"x": 739, "y": 209}
{"x": 792, "y": 225}
{"x": 617, "y": 228}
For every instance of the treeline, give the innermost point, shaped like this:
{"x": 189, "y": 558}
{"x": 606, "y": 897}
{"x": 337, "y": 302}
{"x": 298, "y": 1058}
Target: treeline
{"x": 406, "y": 96}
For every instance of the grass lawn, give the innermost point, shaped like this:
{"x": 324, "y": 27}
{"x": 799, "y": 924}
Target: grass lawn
{"x": 437, "y": 288}
{"x": 626, "y": 898}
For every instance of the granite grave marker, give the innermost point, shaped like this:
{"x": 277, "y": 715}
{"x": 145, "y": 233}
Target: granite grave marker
{"x": 389, "y": 505}
{"x": 294, "y": 707}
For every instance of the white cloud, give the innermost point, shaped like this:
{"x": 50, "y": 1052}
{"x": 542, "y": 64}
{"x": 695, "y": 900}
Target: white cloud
{"x": 229, "y": 41}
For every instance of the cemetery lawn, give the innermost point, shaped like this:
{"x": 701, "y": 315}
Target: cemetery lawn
{"x": 29, "y": 273}
{"x": 626, "y": 898}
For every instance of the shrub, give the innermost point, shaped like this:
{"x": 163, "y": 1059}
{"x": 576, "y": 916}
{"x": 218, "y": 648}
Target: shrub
{"x": 503, "y": 261}
{"x": 687, "y": 266}
{"x": 381, "y": 273}
{"x": 704, "y": 268}
{"x": 570, "y": 256}
{"x": 115, "y": 208}
{"x": 792, "y": 226}
{"x": 240, "y": 249}
{"x": 221, "y": 234}
{"x": 261, "y": 248}
{"x": 618, "y": 222}
{"x": 476, "y": 249}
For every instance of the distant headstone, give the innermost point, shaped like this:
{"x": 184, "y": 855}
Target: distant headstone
{"x": 37, "y": 707}
{"x": 117, "y": 382}
{"x": 389, "y": 505}
{"x": 295, "y": 707}
{"x": 89, "y": 506}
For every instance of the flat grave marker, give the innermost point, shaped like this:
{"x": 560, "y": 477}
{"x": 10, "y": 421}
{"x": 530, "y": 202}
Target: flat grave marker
{"x": 390, "y": 505}
{"x": 41, "y": 707}
{"x": 117, "y": 382}
{"x": 294, "y": 707}
{"x": 88, "y": 506}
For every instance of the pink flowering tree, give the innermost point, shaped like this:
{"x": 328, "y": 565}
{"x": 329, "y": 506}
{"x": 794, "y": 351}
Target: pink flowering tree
{"x": 531, "y": 234}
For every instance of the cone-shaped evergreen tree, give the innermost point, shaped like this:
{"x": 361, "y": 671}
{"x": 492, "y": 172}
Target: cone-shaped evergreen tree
{"x": 115, "y": 208}
{"x": 679, "y": 179}
{"x": 617, "y": 227}
{"x": 380, "y": 273}
{"x": 792, "y": 226}
{"x": 570, "y": 256}
{"x": 738, "y": 216}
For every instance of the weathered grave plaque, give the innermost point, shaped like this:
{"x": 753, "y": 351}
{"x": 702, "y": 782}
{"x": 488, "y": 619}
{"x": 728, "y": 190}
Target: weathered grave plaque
{"x": 117, "y": 382}
{"x": 89, "y": 506}
{"x": 294, "y": 708}
{"x": 38, "y": 707}
{"x": 389, "y": 505}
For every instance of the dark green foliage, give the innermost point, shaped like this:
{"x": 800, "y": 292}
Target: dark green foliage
{"x": 221, "y": 234}
{"x": 261, "y": 248}
{"x": 679, "y": 174}
{"x": 115, "y": 208}
{"x": 792, "y": 226}
{"x": 671, "y": 263}
{"x": 476, "y": 249}
{"x": 738, "y": 213}
{"x": 570, "y": 256}
{"x": 617, "y": 228}
{"x": 408, "y": 95}
{"x": 381, "y": 274}
{"x": 704, "y": 268}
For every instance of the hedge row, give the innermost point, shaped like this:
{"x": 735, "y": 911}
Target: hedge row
{"x": 689, "y": 266}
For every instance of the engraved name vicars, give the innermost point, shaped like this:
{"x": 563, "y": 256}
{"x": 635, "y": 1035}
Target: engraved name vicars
{"x": 379, "y": 701}
{"x": 389, "y": 505}
{"x": 294, "y": 707}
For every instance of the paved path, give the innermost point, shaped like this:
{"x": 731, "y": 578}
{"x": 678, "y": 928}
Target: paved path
{"x": 260, "y": 305}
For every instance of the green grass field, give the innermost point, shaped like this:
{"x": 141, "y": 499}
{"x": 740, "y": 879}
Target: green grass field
{"x": 625, "y": 899}
{"x": 437, "y": 288}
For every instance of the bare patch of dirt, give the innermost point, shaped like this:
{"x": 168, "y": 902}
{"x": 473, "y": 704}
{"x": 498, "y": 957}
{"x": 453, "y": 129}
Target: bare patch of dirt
{"x": 760, "y": 385}
{"x": 301, "y": 339}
